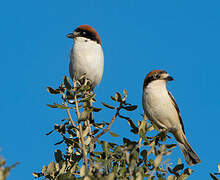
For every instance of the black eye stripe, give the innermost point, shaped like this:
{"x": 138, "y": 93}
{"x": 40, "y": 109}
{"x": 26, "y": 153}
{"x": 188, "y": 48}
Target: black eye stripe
{"x": 87, "y": 34}
{"x": 162, "y": 72}
{"x": 156, "y": 76}
{"x": 148, "y": 80}
{"x": 153, "y": 77}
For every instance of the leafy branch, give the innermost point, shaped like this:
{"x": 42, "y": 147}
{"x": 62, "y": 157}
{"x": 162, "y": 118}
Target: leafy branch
{"x": 89, "y": 155}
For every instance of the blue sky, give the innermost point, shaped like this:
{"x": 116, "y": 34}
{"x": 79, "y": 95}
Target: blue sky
{"x": 181, "y": 37}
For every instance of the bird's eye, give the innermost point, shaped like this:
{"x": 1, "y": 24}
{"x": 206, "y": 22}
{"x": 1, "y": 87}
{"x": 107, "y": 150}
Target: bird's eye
{"x": 156, "y": 76}
{"x": 84, "y": 32}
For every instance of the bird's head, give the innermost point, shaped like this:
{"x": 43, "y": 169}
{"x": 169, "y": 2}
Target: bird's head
{"x": 157, "y": 75}
{"x": 85, "y": 31}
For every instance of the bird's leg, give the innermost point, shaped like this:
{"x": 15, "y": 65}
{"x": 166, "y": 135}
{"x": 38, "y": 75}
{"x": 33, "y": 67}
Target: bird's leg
{"x": 162, "y": 135}
{"x": 164, "y": 130}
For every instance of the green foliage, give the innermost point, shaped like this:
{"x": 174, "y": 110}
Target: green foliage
{"x": 5, "y": 170}
{"x": 89, "y": 155}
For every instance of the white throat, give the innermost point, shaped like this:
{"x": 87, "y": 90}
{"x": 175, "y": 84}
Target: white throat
{"x": 157, "y": 85}
{"x": 82, "y": 40}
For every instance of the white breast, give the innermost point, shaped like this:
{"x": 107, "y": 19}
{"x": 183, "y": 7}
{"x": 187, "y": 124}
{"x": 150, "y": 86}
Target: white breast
{"x": 87, "y": 57}
{"x": 158, "y": 106}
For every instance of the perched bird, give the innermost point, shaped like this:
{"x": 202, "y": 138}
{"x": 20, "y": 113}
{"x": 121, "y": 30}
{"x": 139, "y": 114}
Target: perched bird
{"x": 86, "y": 55}
{"x": 161, "y": 109}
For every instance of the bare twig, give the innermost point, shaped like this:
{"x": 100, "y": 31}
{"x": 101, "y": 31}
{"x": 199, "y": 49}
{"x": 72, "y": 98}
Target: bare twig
{"x": 76, "y": 101}
{"x": 139, "y": 142}
{"x": 151, "y": 149}
{"x": 108, "y": 127}
{"x": 90, "y": 118}
{"x": 80, "y": 129}
{"x": 68, "y": 111}
{"x": 148, "y": 153}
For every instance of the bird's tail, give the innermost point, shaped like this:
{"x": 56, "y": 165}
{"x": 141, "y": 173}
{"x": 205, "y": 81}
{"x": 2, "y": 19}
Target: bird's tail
{"x": 189, "y": 154}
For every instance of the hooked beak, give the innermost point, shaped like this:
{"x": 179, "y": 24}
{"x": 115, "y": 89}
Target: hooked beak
{"x": 169, "y": 78}
{"x": 71, "y": 35}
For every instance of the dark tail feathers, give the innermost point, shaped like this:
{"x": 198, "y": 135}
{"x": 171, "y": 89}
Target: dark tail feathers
{"x": 189, "y": 154}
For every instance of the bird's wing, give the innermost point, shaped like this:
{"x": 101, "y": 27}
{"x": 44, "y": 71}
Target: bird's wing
{"x": 177, "y": 109}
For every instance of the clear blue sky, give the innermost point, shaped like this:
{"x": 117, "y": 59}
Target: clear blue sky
{"x": 181, "y": 37}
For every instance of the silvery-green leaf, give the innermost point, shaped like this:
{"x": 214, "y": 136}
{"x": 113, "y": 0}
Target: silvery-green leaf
{"x": 178, "y": 167}
{"x": 99, "y": 125}
{"x": 125, "y": 93}
{"x": 67, "y": 83}
{"x": 94, "y": 109}
{"x": 113, "y": 134}
{"x": 86, "y": 131}
{"x": 36, "y": 175}
{"x": 113, "y": 98}
{"x": 130, "y": 108}
{"x": 53, "y": 91}
{"x": 170, "y": 146}
{"x": 108, "y": 106}
{"x": 58, "y": 156}
{"x": 185, "y": 174}
{"x": 118, "y": 97}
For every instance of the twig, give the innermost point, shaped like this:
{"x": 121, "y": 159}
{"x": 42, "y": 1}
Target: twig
{"x": 80, "y": 129}
{"x": 70, "y": 117}
{"x": 148, "y": 153}
{"x": 68, "y": 111}
{"x": 151, "y": 149}
{"x": 90, "y": 118}
{"x": 139, "y": 143}
{"x": 76, "y": 101}
{"x": 108, "y": 127}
